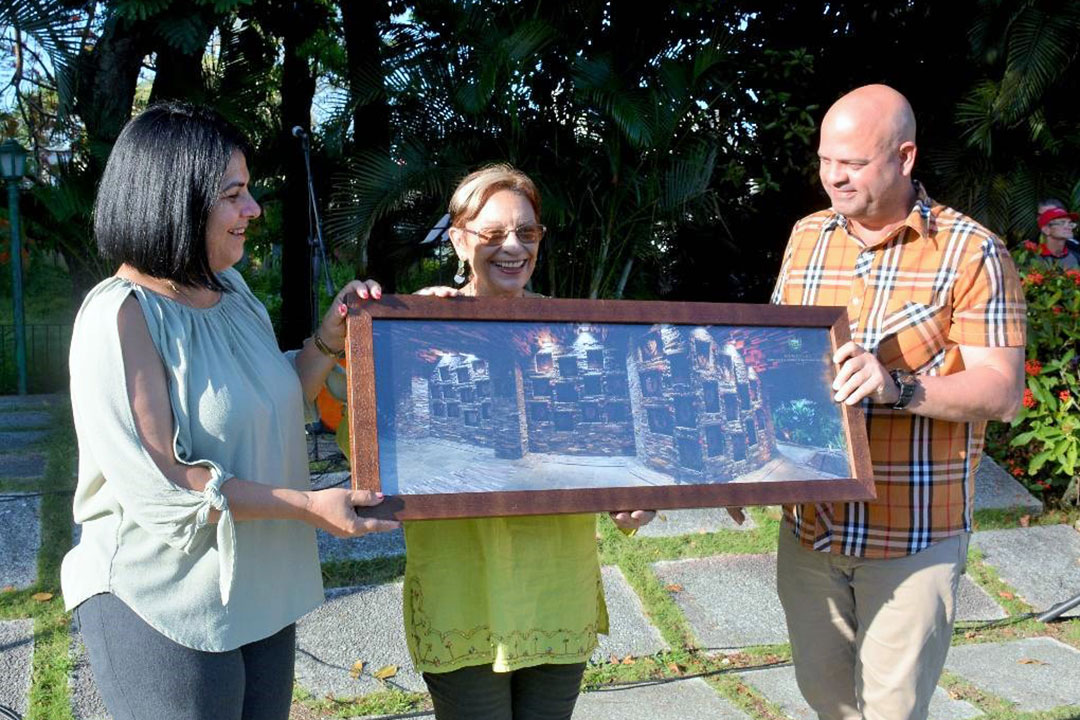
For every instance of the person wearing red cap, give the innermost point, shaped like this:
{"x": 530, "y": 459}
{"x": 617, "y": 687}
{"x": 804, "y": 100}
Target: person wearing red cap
{"x": 1057, "y": 226}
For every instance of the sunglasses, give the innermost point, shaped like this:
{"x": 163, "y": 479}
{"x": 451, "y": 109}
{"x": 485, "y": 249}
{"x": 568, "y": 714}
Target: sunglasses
{"x": 526, "y": 235}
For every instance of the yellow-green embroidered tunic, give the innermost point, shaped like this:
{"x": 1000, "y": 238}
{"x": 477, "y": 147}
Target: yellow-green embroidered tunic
{"x": 509, "y": 591}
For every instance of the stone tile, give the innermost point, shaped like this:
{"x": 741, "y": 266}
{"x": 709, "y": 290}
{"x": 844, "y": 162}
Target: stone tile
{"x": 16, "y": 662}
{"x": 22, "y": 465}
{"x": 997, "y": 489}
{"x": 779, "y": 687}
{"x": 17, "y": 440}
{"x": 730, "y": 601}
{"x": 1041, "y": 563}
{"x": 24, "y": 420}
{"x": 973, "y": 603}
{"x": 361, "y": 548}
{"x": 631, "y": 633}
{"x": 693, "y": 522}
{"x": 323, "y": 446}
{"x": 323, "y": 480}
{"x": 20, "y": 538}
{"x": 86, "y": 702}
{"x": 680, "y": 700}
{"x": 15, "y": 403}
{"x": 1035, "y": 673}
{"x": 357, "y": 623}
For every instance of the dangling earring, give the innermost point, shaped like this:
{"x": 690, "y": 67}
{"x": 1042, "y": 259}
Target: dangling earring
{"x": 459, "y": 278}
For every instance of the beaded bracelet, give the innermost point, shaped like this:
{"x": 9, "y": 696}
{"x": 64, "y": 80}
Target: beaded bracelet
{"x": 322, "y": 347}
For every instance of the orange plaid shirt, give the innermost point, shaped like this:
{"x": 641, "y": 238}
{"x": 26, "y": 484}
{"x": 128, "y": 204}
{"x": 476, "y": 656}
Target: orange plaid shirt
{"x": 939, "y": 282}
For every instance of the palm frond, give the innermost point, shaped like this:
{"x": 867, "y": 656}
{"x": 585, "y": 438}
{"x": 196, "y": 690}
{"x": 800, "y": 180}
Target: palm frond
{"x": 56, "y": 26}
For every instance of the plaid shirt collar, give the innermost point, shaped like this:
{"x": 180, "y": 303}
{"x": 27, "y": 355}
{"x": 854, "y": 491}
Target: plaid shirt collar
{"x": 920, "y": 219}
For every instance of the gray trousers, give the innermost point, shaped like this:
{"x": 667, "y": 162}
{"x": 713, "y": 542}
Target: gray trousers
{"x": 541, "y": 692}
{"x": 143, "y": 675}
{"x": 869, "y": 637}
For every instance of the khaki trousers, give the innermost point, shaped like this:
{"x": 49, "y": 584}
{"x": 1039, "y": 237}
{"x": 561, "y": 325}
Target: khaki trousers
{"x": 869, "y": 637}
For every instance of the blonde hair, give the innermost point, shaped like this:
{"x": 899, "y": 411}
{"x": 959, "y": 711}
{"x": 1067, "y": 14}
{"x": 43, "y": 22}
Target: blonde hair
{"x": 477, "y": 187}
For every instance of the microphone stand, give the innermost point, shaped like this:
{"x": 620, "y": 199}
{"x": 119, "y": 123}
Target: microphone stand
{"x": 1060, "y": 609}
{"x": 316, "y": 247}
{"x": 316, "y": 244}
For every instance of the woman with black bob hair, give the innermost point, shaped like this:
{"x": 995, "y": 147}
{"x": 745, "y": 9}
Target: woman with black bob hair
{"x": 197, "y": 552}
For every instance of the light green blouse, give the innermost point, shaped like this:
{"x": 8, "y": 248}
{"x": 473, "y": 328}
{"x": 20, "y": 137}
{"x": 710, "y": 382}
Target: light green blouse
{"x": 238, "y": 409}
{"x": 511, "y": 592}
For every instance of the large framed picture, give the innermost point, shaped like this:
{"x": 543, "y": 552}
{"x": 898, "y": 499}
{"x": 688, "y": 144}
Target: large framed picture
{"x": 468, "y": 407}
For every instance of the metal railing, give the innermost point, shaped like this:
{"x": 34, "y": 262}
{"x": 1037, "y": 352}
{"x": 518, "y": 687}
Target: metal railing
{"x": 46, "y": 358}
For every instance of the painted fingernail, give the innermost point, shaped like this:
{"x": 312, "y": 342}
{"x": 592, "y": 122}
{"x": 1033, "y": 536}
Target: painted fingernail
{"x": 379, "y": 495}
{"x": 342, "y": 309}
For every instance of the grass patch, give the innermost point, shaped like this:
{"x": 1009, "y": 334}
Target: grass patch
{"x": 382, "y": 702}
{"x": 51, "y": 665}
{"x": 633, "y": 559}
{"x": 745, "y": 697}
{"x": 993, "y": 519}
{"x": 960, "y": 689}
{"x": 989, "y": 580}
{"x": 373, "y": 571}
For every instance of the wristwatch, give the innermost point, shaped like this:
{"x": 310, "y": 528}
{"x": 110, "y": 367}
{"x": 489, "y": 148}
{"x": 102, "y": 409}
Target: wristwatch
{"x": 906, "y": 382}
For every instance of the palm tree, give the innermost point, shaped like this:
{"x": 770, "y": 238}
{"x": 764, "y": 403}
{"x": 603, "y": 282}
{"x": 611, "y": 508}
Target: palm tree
{"x": 613, "y": 115}
{"x": 1019, "y": 132}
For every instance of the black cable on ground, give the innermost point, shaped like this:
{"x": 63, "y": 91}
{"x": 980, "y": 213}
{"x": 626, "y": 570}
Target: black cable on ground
{"x": 1003, "y": 622}
{"x": 627, "y": 684}
{"x": 12, "y": 497}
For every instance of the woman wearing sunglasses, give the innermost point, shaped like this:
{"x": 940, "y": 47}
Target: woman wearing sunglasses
{"x": 502, "y": 613}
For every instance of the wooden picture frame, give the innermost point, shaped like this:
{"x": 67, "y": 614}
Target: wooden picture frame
{"x": 471, "y": 407}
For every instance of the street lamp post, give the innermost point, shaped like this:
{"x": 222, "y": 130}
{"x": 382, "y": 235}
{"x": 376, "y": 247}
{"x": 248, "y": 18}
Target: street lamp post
{"x": 12, "y": 168}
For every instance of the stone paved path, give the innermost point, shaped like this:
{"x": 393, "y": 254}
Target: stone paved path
{"x": 728, "y": 602}
{"x": 20, "y": 538}
{"x": 16, "y": 655}
{"x": 1056, "y": 575}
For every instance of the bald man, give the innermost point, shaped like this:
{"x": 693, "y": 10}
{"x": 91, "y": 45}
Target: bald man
{"x": 938, "y": 324}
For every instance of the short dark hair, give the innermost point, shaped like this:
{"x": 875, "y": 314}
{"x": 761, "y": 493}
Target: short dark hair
{"x": 1048, "y": 203}
{"x": 162, "y": 178}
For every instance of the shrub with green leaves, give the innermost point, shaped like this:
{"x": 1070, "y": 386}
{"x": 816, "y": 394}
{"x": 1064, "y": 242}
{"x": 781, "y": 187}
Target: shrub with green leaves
{"x": 1042, "y": 447}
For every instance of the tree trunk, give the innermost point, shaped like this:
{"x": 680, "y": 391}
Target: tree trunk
{"x": 297, "y": 91}
{"x": 108, "y": 74}
{"x": 179, "y": 75}
{"x": 371, "y": 120}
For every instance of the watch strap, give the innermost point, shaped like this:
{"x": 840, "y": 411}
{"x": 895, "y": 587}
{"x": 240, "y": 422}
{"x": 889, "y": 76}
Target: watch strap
{"x": 905, "y": 384}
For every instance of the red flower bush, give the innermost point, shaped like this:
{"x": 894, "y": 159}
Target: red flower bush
{"x": 1042, "y": 446}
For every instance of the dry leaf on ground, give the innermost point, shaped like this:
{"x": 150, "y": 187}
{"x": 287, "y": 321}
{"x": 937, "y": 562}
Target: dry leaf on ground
{"x": 674, "y": 587}
{"x": 385, "y": 672}
{"x": 42, "y": 597}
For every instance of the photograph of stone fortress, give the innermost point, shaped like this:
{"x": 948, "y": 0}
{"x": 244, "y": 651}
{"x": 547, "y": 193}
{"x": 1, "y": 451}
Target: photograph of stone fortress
{"x": 625, "y": 404}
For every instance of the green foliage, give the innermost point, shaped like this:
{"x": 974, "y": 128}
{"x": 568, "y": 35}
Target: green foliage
{"x": 1042, "y": 448}
{"x": 263, "y": 276}
{"x": 801, "y": 421}
{"x": 1017, "y": 123}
